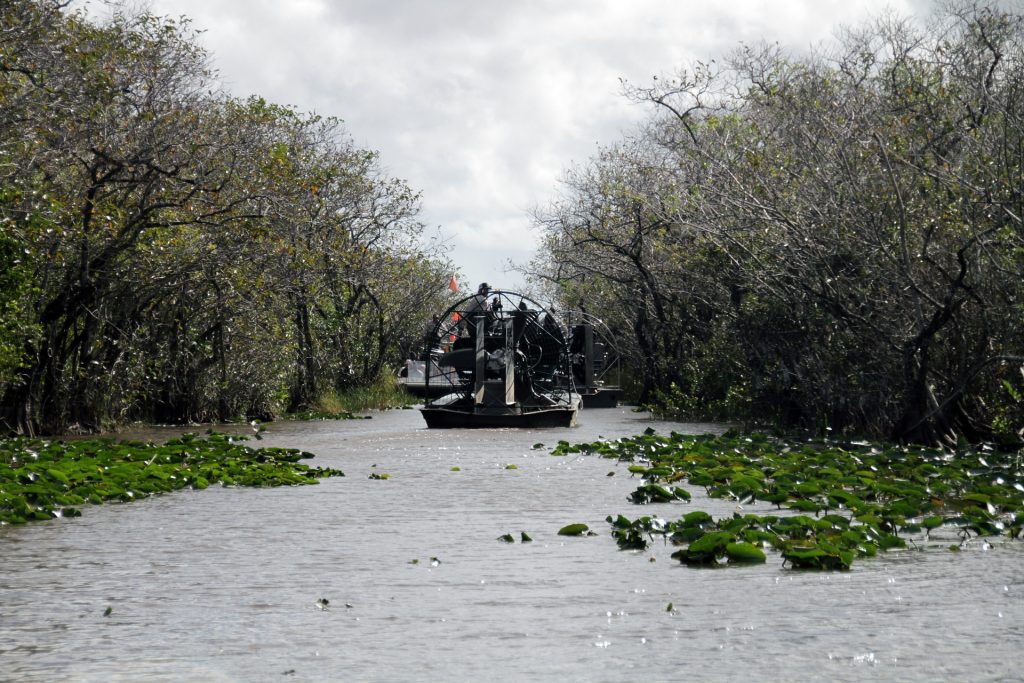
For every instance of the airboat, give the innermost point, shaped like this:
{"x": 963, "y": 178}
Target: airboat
{"x": 498, "y": 359}
{"x": 595, "y": 360}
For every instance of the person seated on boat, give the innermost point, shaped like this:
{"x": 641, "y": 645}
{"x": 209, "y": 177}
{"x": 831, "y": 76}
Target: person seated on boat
{"x": 479, "y": 300}
{"x": 476, "y": 305}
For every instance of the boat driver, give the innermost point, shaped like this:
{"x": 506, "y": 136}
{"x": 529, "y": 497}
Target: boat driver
{"x": 477, "y": 304}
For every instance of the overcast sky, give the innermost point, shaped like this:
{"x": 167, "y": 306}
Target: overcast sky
{"x": 482, "y": 105}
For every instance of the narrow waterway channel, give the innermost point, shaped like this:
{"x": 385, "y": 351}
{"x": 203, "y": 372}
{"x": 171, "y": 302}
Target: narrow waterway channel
{"x": 223, "y": 584}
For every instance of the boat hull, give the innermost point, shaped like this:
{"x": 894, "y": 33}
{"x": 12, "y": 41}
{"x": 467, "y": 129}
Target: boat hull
{"x": 602, "y": 397}
{"x": 448, "y": 418}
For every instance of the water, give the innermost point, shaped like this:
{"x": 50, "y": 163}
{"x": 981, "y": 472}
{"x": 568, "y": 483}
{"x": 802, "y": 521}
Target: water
{"x": 223, "y": 584}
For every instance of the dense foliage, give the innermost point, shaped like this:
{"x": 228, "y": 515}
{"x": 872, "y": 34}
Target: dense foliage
{"x": 170, "y": 253}
{"x": 836, "y": 501}
{"x": 832, "y": 240}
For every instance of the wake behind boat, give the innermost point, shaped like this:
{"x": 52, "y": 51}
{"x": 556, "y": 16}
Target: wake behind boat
{"x": 499, "y": 359}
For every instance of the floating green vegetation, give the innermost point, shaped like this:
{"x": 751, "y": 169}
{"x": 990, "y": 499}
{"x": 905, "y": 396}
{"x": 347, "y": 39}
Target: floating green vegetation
{"x": 577, "y": 529}
{"x": 838, "y": 501}
{"x": 41, "y": 479}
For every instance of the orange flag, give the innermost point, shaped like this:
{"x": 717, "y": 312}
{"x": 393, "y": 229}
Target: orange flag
{"x": 453, "y": 284}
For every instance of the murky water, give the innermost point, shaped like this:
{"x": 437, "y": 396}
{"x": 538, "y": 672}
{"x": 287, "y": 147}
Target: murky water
{"x": 222, "y": 584}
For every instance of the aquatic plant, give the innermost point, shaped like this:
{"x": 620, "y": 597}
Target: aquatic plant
{"x": 42, "y": 479}
{"x": 837, "y": 501}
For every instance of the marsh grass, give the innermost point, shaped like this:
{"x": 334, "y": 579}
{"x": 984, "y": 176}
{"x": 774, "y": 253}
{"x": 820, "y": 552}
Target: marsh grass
{"x": 383, "y": 394}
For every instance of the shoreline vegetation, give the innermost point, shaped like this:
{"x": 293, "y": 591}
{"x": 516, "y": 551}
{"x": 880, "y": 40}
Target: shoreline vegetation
{"x": 823, "y": 238}
{"x": 829, "y": 237}
{"x": 384, "y": 394}
{"x": 170, "y": 253}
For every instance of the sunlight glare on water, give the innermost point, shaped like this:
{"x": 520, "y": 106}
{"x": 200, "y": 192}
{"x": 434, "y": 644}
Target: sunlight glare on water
{"x": 229, "y": 584}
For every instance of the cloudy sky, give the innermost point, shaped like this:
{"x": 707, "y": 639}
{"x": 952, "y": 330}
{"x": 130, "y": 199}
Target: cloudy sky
{"x": 482, "y": 105}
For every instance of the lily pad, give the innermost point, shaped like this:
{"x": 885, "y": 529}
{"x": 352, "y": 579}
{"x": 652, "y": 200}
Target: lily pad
{"x": 744, "y": 553}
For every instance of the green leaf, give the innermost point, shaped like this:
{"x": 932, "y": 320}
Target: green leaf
{"x": 744, "y": 552}
{"x": 573, "y": 530}
{"x": 714, "y": 542}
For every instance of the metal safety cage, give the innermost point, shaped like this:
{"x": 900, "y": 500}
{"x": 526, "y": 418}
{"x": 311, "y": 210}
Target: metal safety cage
{"x": 498, "y": 348}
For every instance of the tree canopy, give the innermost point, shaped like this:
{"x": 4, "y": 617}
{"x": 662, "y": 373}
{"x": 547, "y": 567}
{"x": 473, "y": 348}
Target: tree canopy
{"x": 169, "y": 252}
{"x": 831, "y": 240}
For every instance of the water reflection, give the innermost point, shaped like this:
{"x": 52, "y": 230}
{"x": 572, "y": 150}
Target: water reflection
{"x": 223, "y": 584}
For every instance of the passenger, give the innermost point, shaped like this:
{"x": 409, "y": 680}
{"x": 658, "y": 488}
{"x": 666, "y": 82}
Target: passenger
{"x": 477, "y": 304}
